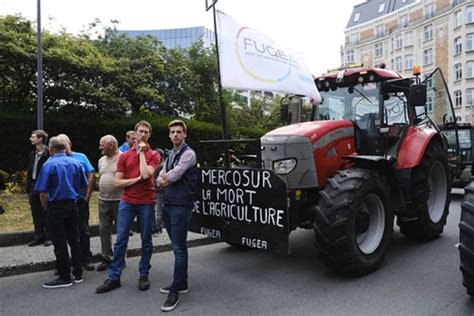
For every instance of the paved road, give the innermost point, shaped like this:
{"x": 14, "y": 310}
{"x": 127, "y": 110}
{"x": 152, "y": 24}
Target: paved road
{"x": 416, "y": 279}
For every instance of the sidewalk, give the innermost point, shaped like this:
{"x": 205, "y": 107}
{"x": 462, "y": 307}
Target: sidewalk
{"x": 23, "y": 259}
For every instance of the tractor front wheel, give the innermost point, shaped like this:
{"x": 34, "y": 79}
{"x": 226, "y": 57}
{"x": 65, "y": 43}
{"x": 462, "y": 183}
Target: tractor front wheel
{"x": 430, "y": 189}
{"x": 354, "y": 221}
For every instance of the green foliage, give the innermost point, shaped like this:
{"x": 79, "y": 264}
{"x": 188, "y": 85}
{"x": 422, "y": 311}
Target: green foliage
{"x": 85, "y": 134}
{"x": 13, "y": 183}
{"x": 98, "y": 84}
{"x": 13, "y": 187}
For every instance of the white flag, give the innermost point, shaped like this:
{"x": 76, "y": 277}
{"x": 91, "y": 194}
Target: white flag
{"x": 251, "y": 60}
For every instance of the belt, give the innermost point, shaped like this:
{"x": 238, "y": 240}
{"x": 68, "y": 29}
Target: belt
{"x": 61, "y": 202}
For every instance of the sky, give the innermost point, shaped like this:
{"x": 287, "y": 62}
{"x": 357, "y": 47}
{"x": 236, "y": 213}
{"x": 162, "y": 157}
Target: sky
{"x": 315, "y": 28}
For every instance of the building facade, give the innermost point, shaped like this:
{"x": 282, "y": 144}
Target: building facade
{"x": 176, "y": 38}
{"x": 429, "y": 33}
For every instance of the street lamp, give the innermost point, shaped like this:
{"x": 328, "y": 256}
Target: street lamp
{"x": 39, "y": 106}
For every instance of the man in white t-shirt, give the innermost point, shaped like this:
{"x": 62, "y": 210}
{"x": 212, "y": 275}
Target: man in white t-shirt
{"x": 109, "y": 196}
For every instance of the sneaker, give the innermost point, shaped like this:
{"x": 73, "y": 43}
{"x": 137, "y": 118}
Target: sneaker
{"x": 143, "y": 283}
{"x": 166, "y": 290}
{"x": 108, "y": 286}
{"x": 47, "y": 243}
{"x": 104, "y": 265}
{"x": 36, "y": 242}
{"x": 57, "y": 283}
{"x": 171, "y": 302}
{"x": 88, "y": 266}
{"x": 78, "y": 279}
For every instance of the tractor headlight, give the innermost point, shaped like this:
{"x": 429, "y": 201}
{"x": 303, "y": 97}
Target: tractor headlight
{"x": 284, "y": 166}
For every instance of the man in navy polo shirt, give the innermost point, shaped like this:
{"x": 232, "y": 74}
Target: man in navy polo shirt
{"x": 59, "y": 183}
{"x": 135, "y": 169}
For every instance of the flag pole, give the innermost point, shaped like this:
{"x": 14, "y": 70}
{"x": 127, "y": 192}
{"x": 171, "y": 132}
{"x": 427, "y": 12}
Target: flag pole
{"x": 212, "y": 5}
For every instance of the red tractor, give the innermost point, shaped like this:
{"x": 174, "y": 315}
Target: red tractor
{"x": 372, "y": 151}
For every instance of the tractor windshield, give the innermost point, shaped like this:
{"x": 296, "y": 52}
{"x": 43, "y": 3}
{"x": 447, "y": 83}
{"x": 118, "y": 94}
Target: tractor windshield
{"x": 464, "y": 138}
{"x": 357, "y": 103}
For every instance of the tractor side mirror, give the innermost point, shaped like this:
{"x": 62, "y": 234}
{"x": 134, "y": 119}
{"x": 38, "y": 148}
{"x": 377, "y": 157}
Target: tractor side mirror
{"x": 284, "y": 112}
{"x": 417, "y": 95}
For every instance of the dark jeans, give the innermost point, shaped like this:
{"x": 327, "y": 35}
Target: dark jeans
{"x": 39, "y": 215}
{"x": 63, "y": 219}
{"x": 125, "y": 216}
{"x": 84, "y": 234}
{"x": 176, "y": 219}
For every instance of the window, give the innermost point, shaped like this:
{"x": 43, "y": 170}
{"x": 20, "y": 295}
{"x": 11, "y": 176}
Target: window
{"x": 458, "y": 98}
{"x": 458, "y": 45}
{"x": 428, "y": 56}
{"x": 428, "y": 32}
{"x": 429, "y": 83}
{"x": 398, "y": 41}
{"x": 403, "y": 21}
{"x": 457, "y": 18}
{"x": 379, "y": 50}
{"x": 458, "y": 72}
{"x": 470, "y": 97}
{"x": 354, "y": 38}
{"x": 429, "y": 104}
{"x": 356, "y": 17}
{"x": 470, "y": 14}
{"x": 379, "y": 30}
{"x": 429, "y": 11}
{"x": 381, "y": 7}
{"x": 408, "y": 39}
{"x": 470, "y": 69}
{"x": 408, "y": 61}
{"x": 350, "y": 56}
{"x": 470, "y": 41}
{"x": 398, "y": 64}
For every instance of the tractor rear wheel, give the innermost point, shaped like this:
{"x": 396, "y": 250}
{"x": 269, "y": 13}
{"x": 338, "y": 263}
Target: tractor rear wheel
{"x": 354, "y": 221}
{"x": 466, "y": 239}
{"x": 430, "y": 189}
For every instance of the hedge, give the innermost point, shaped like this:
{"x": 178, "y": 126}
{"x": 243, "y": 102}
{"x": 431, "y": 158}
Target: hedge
{"x": 85, "y": 133}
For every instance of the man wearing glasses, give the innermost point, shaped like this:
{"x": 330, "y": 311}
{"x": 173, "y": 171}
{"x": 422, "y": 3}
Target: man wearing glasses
{"x": 135, "y": 169}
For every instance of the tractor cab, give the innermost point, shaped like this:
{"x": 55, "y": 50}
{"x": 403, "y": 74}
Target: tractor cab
{"x": 381, "y": 104}
{"x": 461, "y": 163}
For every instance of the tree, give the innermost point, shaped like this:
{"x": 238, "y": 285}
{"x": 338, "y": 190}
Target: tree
{"x": 17, "y": 64}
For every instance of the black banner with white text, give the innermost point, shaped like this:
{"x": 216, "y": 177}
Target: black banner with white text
{"x": 245, "y": 207}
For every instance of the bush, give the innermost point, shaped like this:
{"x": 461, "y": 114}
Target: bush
{"x": 14, "y": 183}
{"x": 86, "y": 131}
{"x": 3, "y": 179}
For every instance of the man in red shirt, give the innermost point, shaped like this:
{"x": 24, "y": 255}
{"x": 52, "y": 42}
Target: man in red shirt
{"x": 135, "y": 170}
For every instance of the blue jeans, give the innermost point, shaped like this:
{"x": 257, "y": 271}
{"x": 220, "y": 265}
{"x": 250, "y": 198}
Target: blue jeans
{"x": 176, "y": 220}
{"x": 126, "y": 215}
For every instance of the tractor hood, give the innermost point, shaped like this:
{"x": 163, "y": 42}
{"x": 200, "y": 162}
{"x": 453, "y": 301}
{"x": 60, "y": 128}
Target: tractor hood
{"x": 316, "y": 131}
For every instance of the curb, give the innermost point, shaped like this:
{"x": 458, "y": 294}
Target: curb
{"x": 135, "y": 252}
{"x": 24, "y": 237}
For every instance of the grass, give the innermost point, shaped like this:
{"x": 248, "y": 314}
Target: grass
{"x": 17, "y": 216}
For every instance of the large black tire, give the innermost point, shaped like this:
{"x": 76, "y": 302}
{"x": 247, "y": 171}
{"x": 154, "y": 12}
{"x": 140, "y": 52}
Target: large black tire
{"x": 430, "y": 196}
{"x": 466, "y": 239}
{"x": 354, "y": 221}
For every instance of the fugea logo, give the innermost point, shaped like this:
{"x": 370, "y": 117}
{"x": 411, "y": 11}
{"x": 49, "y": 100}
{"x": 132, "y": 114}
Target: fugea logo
{"x": 261, "y": 58}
